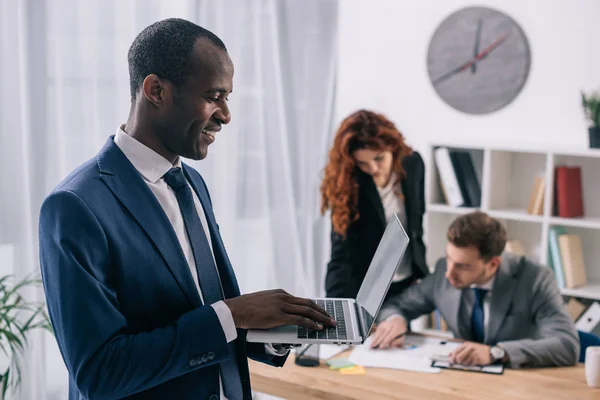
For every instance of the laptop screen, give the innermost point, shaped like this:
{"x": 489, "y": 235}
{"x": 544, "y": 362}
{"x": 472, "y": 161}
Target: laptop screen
{"x": 377, "y": 281}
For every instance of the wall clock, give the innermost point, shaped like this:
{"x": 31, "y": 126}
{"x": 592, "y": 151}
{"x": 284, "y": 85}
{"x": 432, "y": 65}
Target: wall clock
{"x": 478, "y": 60}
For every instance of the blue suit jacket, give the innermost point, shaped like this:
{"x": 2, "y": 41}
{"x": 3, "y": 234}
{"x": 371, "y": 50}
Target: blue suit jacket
{"x": 128, "y": 319}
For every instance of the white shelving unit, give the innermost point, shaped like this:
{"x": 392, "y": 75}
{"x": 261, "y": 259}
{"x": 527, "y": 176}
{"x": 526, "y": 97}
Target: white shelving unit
{"x": 506, "y": 177}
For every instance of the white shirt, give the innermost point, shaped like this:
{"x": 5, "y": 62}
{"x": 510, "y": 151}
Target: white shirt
{"x": 152, "y": 166}
{"x": 393, "y": 204}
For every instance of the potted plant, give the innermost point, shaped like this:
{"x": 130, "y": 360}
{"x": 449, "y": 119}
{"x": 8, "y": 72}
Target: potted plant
{"x": 18, "y": 317}
{"x": 591, "y": 107}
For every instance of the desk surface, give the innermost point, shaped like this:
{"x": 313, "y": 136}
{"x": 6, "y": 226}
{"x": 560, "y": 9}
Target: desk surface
{"x": 303, "y": 383}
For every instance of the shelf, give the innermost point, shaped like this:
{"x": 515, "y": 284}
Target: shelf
{"x": 446, "y": 209}
{"x": 591, "y": 223}
{"x": 592, "y": 153}
{"x": 583, "y": 152}
{"x": 511, "y": 214}
{"x": 515, "y": 214}
{"x": 589, "y": 291}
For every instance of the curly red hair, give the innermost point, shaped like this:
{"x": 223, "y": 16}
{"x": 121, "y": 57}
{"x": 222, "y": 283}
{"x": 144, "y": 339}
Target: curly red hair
{"x": 339, "y": 190}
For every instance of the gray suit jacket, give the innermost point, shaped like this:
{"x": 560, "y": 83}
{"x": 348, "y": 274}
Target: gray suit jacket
{"x": 527, "y": 315}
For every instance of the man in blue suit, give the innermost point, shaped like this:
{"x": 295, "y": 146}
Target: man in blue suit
{"x": 141, "y": 294}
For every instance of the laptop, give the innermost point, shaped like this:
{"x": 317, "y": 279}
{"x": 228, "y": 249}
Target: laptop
{"x": 354, "y": 317}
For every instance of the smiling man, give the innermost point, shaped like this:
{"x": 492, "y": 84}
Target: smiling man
{"x": 142, "y": 296}
{"x": 507, "y": 308}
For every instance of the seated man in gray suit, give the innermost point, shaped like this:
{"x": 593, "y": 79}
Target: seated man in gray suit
{"x": 507, "y": 308}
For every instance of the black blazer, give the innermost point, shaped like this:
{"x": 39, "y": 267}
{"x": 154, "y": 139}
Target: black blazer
{"x": 350, "y": 257}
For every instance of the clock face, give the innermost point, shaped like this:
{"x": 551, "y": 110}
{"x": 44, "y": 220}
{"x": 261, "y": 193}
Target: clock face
{"x": 478, "y": 60}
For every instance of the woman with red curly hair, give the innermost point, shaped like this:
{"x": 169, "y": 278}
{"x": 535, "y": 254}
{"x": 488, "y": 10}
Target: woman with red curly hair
{"x": 371, "y": 174}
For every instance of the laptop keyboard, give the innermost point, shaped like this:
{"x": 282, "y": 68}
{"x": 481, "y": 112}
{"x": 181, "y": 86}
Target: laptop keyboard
{"x": 335, "y": 308}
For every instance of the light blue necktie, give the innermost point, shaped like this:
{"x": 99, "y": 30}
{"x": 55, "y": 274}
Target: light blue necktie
{"x": 206, "y": 270}
{"x": 478, "y": 317}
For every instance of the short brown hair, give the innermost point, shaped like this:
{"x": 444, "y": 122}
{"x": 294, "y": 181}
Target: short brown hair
{"x": 480, "y": 230}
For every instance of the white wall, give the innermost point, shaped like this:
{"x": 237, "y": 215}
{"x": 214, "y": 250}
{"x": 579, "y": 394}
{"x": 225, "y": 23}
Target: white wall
{"x": 382, "y": 66}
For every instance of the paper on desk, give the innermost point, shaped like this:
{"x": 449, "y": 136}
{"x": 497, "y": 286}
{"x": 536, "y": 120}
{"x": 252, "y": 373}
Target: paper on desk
{"x": 326, "y": 351}
{"x": 411, "y": 359}
{"x": 428, "y": 347}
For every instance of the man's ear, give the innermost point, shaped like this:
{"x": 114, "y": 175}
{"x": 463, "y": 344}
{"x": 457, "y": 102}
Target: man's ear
{"x": 495, "y": 262}
{"x": 153, "y": 89}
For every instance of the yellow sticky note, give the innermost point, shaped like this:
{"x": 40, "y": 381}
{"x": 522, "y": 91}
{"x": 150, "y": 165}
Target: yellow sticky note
{"x": 356, "y": 370}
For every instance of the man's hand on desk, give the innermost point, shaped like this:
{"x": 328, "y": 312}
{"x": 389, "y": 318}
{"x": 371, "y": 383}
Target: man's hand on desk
{"x": 388, "y": 333}
{"x": 471, "y": 353}
{"x": 272, "y": 308}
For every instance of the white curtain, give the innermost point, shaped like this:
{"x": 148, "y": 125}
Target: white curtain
{"x": 65, "y": 89}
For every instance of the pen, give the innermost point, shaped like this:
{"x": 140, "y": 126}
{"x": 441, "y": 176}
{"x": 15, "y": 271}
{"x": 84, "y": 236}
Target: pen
{"x": 396, "y": 338}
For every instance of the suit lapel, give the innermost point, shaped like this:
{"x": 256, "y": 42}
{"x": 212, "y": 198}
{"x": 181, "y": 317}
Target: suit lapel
{"x": 131, "y": 190}
{"x": 228, "y": 280}
{"x": 502, "y": 294}
{"x": 452, "y": 305}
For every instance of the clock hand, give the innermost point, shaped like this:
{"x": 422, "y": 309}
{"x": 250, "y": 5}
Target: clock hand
{"x": 453, "y": 72}
{"x": 491, "y": 47}
{"x": 477, "y": 40}
{"x": 484, "y": 53}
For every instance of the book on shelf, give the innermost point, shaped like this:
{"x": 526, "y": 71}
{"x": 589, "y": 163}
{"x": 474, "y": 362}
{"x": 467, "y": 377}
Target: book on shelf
{"x": 459, "y": 182}
{"x": 448, "y": 178}
{"x": 555, "y": 259}
{"x": 462, "y": 162}
{"x": 575, "y": 308}
{"x": 514, "y": 247}
{"x": 571, "y": 252}
{"x": 536, "y": 199}
{"x": 566, "y": 258}
{"x": 568, "y": 192}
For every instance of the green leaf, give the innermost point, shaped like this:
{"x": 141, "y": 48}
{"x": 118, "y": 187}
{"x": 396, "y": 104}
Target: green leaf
{"x": 18, "y": 317}
{"x": 591, "y": 107}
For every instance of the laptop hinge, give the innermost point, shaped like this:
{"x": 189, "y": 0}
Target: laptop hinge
{"x": 361, "y": 322}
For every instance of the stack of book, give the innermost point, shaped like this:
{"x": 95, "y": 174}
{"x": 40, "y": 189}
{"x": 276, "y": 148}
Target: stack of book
{"x": 566, "y": 258}
{"x": 458, "y": 178}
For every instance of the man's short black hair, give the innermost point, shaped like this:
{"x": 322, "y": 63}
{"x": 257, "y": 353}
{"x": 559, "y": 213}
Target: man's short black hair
{"x": 165, "y": 49}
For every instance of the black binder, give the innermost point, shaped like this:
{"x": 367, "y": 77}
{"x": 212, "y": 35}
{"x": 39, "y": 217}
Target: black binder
{"x": 462, "y": 162}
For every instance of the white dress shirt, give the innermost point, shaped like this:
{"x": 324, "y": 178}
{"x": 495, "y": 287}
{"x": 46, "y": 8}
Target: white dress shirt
{"x": 152, "y": 166}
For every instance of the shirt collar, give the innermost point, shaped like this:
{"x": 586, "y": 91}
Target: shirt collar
{"x": 487, "y": 286}
{"x": 151, "y": 165}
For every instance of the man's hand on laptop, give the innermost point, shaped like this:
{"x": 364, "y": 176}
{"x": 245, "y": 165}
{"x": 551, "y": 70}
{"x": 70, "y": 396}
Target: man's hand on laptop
{"x": 390, "y": 333}
{"x": 273, "y": 308}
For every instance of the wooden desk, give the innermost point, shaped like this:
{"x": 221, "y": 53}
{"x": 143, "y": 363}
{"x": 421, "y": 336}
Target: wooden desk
{"x": 304, "y": 383}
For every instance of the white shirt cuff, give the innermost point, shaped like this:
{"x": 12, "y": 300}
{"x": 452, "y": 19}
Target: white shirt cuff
{"x": 394, "y": 317}
{"x": 226, "y": 319}
{"x": 275, "y": 349}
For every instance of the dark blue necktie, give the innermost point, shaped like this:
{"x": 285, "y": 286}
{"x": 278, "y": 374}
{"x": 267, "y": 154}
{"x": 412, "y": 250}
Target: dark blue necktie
{"x": 206, "y": 269}
{"x": 478, "y": 317}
